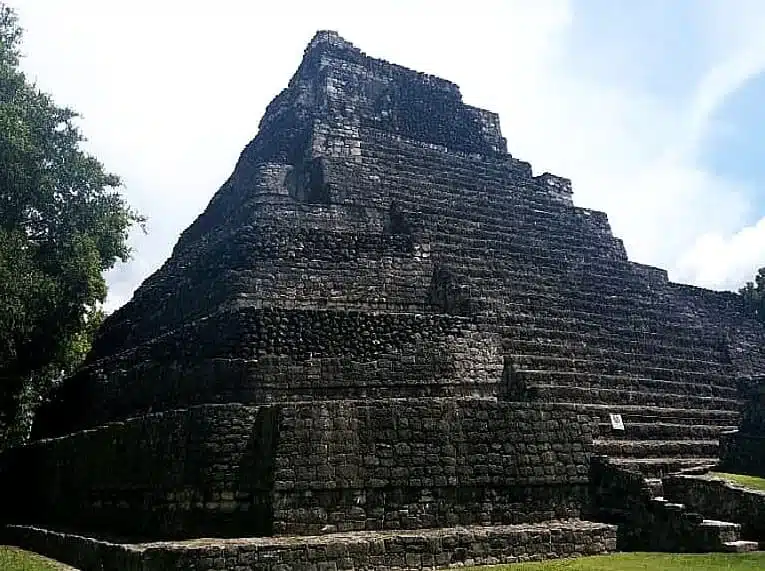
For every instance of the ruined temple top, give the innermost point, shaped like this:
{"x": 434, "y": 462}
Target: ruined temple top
{"x": 339, "y": 85}
{"x": 331, "y": 43}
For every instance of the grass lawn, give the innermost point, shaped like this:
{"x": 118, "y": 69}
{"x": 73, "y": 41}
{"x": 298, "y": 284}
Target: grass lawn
{"x": 645, "y": 562}
{"x": 13, "y": 559}
{"x": 748, "y": 481}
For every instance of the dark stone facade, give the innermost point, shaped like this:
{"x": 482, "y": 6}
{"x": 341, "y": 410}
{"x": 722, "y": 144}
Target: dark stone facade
{"x": 384, "y": 321}
{"x": 743, "y": 451}
{"x": 376, "y": 240}
{"x": 306, "y": 469}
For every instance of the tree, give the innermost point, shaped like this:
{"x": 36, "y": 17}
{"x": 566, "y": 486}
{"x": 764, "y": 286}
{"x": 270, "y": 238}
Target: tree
{"x": 62, "y": 224}
{"x": 754, "y": 295}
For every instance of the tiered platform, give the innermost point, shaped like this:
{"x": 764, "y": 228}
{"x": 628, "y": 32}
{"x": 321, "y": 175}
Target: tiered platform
{"x": 383, "y": 322}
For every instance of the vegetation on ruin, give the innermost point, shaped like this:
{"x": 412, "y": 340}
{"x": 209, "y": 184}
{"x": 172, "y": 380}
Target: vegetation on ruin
{"x": 752, "y": 482}
{"x": 62, "y": 224}
{"x": 13, "y": 559}
{"x": 646, "y": 562}
{"x": 754, "y": 294}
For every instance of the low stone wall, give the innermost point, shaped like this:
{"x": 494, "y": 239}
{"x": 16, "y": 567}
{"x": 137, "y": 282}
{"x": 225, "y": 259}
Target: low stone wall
{"x": 364, "y": 550}
{"x": 720, "y": 500}
{"x": 308, "y": 468}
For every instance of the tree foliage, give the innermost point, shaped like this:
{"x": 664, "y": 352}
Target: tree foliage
{"x": 62, "y": 224}
{"x": 754, "y": 295}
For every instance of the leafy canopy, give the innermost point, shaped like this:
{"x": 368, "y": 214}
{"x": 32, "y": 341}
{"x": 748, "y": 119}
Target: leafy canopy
{"x": 62, "y": 224}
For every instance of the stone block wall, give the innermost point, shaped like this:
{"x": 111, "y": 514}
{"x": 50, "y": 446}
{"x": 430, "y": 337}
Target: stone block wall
{"x": 409, "y": 550}
{"x": 408, "y": 465}
{"x": 178, "y": 473}
{"x": 743, "y": 451}
{"x": 254, "y": 355}
{"x": 304, "y": 468}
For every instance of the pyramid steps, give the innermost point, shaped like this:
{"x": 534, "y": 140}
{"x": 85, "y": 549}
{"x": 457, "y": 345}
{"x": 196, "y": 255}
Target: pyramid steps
{"x": 662, "y": 466}
{"x": 662, "y": 431}
{"x": 618, "y": 448}
{"x": 625, "y": 382}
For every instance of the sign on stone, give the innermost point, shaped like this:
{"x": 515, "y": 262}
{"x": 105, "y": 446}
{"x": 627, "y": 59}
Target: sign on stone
{"x": 616, "y": 422}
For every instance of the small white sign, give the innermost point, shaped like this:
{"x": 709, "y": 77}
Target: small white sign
{"x": 616, "y": 422}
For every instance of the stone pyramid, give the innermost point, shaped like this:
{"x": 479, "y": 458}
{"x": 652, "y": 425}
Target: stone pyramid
{"x": 384, "y": 321}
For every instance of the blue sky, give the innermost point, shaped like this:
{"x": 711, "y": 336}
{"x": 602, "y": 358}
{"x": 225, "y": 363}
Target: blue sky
{"x": 653, "y": 108}
{"x": 734, "y": 148}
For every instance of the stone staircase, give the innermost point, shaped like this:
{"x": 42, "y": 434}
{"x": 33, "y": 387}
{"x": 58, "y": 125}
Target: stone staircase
{"x": 579, "y": 322}
{"x": 718, "y": 535}
{"x": 650, "y": 521}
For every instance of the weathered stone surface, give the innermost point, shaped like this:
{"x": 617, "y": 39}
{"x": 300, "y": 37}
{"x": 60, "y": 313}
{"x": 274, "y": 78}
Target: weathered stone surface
{"x": 381, "y": 551}
{"x": 722, "y": 500}
{"x": 743, "y": 451}
{"x": 377, "y": 240}
{"x": 309, "y": 468}
{"x": 367, "y": 329}
{"x": 647, "y": 522}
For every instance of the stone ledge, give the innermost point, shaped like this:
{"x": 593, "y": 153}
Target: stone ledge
{"x": 430, "y": 549}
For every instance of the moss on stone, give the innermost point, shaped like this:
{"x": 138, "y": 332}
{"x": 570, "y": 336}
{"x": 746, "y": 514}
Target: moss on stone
{"x": 752, "y": 482}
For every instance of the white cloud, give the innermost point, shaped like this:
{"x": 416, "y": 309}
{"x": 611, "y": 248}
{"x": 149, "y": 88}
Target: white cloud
{"x": 636, "y": 154}
{"x": 172, "y": 91}
{"x": 717, "y": 259}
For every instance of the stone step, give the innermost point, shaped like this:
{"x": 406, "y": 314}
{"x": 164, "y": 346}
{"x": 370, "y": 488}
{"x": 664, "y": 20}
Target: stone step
{"x": 659, "y": 467}
{"x": 562, "y": 318}
{"x": 557, "y": 393}
{"x": 623, "y": 352}
{"x": 726, "y": 531}
{"x": 661, "y": 431}
{"x": 740, "y": 546}
{"x": 580, "y": 328}
{"x": 649, "y": 414}
{"x": 661, "y": 369}
{"x": 656, "y": 448}
{"x": 626, "y": 338}
{"x": 635, "y": 356}
{"x": 624, "y": 382}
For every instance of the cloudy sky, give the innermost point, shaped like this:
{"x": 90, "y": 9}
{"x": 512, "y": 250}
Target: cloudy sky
{"x": 653, "y": 108}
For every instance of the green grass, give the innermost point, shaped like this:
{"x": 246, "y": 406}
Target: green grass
{"x": 747, "y": 481}
{"x": 646, "y": 562}
{"x": 13, "y": 559}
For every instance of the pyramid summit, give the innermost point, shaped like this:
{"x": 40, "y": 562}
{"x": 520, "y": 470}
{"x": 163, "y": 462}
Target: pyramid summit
{"x": 382, "y": 327}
